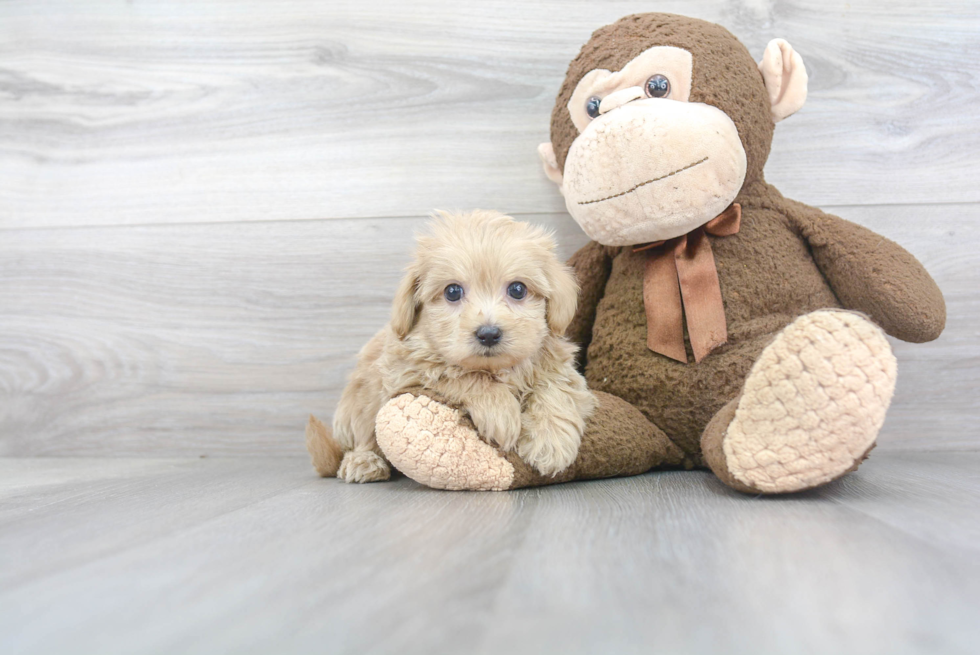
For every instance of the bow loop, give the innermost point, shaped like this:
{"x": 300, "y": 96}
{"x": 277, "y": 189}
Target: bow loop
{"x": 726, "y": 223}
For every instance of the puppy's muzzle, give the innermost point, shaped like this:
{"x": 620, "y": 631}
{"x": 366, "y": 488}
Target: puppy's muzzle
{"x": 488, "y": 335}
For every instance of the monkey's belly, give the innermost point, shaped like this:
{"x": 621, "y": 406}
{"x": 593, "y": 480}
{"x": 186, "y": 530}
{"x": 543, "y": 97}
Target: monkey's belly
{"x": 678, "y": 398}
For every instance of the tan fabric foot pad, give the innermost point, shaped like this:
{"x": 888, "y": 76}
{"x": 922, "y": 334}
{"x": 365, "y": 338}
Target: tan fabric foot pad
{"x": 813, "y": 403}
{"x": 432, "y": 444}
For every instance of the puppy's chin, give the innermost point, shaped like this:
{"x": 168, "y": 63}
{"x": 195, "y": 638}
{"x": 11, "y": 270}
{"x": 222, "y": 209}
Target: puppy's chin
{"x": 488, "y": 359}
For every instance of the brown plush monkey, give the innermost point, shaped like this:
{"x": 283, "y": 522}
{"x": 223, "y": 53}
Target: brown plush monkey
{"x": 721, "y": 324}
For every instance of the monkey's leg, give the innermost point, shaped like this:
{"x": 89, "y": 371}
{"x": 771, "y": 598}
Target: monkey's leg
{"x": 810, "y": 409}
{"x": 436, "y": 445}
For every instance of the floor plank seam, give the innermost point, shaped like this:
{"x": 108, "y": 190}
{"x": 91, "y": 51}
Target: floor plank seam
{"x": 830, "y": 208}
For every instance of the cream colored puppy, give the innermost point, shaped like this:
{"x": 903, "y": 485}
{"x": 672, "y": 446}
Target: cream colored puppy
{"x": 478, "y": 320}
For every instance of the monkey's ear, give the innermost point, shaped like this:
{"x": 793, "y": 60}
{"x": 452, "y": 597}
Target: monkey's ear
{"x": 405, "y": 307}
{"x": 547, "y": 153}
{"x": 785, "y": 77}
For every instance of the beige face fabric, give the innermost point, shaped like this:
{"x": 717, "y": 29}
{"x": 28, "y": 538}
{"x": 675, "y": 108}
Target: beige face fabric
{"x": 648, "y": 169}
{"x": 651, "y": 170}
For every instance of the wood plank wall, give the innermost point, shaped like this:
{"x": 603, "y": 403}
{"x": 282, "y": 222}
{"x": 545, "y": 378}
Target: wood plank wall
{"x": 204, "y": 207}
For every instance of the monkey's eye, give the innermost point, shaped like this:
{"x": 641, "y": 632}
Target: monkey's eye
{"x": 658, "y": 86}
{"x": 517, "y": 290}
{"x": 592, "y": 106}
{"x": 453, "y": 292}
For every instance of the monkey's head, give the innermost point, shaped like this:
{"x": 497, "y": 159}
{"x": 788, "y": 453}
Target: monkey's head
{"x": 659, "y": 123}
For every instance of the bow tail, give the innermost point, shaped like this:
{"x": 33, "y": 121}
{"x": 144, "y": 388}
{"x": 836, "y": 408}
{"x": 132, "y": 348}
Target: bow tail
{"x": 662, "y": 304}
{"x": 701, "y": 292}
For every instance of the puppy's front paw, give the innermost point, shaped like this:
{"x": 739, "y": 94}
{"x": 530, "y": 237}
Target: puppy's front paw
{"x": 498, "y": 422}
{"x": 549, "y": 445}
{"x": 363, "y": 466}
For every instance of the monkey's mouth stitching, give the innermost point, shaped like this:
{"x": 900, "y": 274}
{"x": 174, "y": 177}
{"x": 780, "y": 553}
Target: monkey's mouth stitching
{"x": 656, "y": 179}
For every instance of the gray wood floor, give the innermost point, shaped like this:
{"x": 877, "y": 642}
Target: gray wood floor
{"x": 260, "y": 556}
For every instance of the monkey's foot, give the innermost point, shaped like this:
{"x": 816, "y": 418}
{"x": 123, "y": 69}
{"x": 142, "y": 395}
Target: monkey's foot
{"x": 810, "y": 409}
{"x": 437, "y": 446}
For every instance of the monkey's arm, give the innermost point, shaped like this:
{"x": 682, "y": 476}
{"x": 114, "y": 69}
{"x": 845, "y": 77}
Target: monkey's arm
{"x": 592, "y": 264}
{"x": 874, "y": 275}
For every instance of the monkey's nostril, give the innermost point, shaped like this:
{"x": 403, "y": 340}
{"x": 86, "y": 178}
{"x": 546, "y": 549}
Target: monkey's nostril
{"x": 488, "y": 335}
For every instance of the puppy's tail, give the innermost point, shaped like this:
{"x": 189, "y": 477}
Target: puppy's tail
{"x": 324, "y": 450}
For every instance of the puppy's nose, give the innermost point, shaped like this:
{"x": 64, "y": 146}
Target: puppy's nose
{"x": 488, "y": 335}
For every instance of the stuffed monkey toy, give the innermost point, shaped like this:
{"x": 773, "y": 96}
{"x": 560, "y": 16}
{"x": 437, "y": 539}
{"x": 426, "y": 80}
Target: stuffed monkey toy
{"x": 721, "y": 325}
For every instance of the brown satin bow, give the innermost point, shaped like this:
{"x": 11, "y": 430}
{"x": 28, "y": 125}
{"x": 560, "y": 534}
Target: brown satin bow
{"x": 684, "y": 268}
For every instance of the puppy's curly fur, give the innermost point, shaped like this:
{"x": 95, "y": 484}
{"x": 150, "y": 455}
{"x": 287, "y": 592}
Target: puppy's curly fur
{"x": 522, "y": 392}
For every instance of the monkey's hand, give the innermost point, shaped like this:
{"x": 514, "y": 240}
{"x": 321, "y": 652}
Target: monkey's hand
{"x": 497, "y": 416}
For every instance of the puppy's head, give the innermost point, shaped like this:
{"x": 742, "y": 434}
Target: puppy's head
{"x": 484, "y": 291}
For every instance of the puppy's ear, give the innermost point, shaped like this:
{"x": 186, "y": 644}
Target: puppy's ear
{"x": 406, "y": 305}
{"x": 563, "y": 299}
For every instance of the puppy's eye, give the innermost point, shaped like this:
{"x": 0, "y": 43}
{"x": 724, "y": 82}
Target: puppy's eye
{"x": 658, "y": 86}
{"x": 517, "y": 290}
{"x": 592, "y": 106}
{"x": 453, "y": 292}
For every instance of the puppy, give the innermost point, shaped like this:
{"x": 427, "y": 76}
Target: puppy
{"x": 478, "y": 320}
